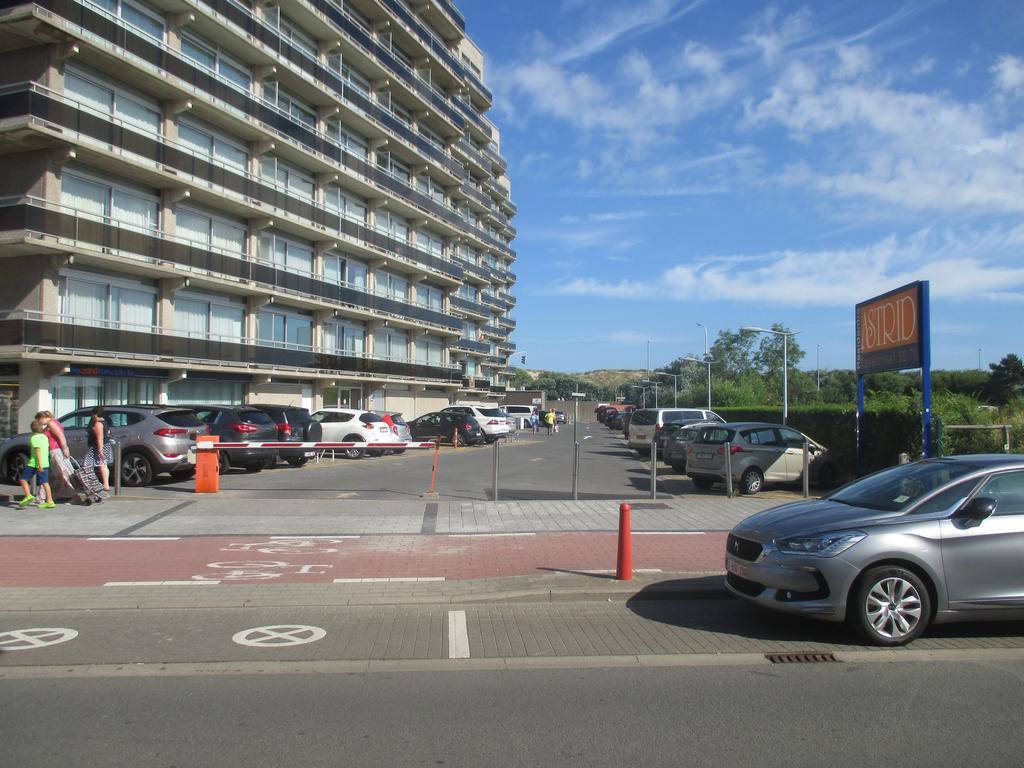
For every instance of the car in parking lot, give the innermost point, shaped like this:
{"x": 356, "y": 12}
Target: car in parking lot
{"x": 240, "y": 424}
{"x": 351, "y": 425}
{"x": 294, "y": 425}
{"x": 442, "y": 426}
{"x": 519, "y": 415}
{"x": 399, "y": 429}
{"x": 613, "y": 419}
{"x": 493, "y": 421}
{"x": 560, "y": 417}
{"x": 758, "y": 453}
{"x": 153, "y": 439}
{"x": 647, "y": 423}
{"x": 675, "y": 447}
{"x": 934, "y": 541}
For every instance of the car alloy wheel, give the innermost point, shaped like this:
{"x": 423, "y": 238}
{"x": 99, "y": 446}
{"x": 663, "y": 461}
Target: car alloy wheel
{"x": 892, "y": 606}
{"x": 16, "y": 463}
{"x": 136, "y": 470}
{"x": 752, "y": 481}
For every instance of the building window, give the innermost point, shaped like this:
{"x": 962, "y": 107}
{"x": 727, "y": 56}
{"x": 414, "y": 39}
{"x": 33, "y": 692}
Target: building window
{"x": 191, "y": 391}
{"x": 212, "y": 58}
{"x": 127, "y": 207}
{"x": 220, "y": 234}
{"x": 393, "y": 225}
{"x": 429, "y": 296}
{"x": 281, "y": 174}
{"x": 348, "y": 139}
{"x": 137, "y": 15}
{"x": 207, "y": 142}
{"x": 345, "y": 204}
{"x": 430, "y": 188}
{"x": 284, "y": 329}
{"x": 469, "y": 330}
{"x": 391, "y": 343}
{"x": 285, "y": 254}
{"x": 392, "y": 286}
{"x": 103, "y": 302}
{"x": 299, "y": 39}
{"x": 344, "y": 270}
{"x": 73, "y": 392}
{"x": 98, "y": 94}
{"x": 205, "y": 316}
{"x": 352, "y": 77}
{"x": 288, "y": 104}
{"x": 468, "y": 292}
{"x": 343, "y": 337}
{"x": 395, "y": 167}
{"x": 429, "y": 242}
{"x": 429, "y": 350}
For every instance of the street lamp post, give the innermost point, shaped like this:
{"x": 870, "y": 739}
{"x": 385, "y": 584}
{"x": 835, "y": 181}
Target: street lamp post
{"x": 675, "y": 388}
{"x": 785, "y": 361}
{"x": 708, "y": 364}
{"x": 648, "y": 381}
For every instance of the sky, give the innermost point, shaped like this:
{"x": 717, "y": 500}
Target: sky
{"x": 734, "y": 163}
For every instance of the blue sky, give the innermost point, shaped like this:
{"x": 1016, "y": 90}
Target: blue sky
{"x": 735, "y": 163}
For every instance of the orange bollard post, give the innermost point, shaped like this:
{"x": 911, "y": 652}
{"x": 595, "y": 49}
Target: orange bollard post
{"x": 455, "y": 439}
{"x": 207, "y": 467}
{"x": 624, "y": 567}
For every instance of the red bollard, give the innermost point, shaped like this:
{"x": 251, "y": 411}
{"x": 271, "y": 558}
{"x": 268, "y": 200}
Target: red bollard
{"x": 624, "y": 567}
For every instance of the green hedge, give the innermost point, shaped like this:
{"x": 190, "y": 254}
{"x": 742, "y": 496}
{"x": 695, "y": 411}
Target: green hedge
{"x": 887, "y": 432}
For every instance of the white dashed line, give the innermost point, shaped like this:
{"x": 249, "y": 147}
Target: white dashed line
{"x": 134, "y": 538}
{"x": 458, "y": 635}
{"x": 300, "y": 536}
{"x": 485, "y": 535}
{"x": 159, "y": 583}
{"x": 390, "y": 580}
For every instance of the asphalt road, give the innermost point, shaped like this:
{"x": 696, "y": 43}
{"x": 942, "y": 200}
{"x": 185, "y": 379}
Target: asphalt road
{"x": 848, "y": 714}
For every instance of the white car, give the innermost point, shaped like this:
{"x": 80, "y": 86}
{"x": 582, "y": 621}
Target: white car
{"x": 348, "y": 425}
{"x": 519, "y": 415}
{"x": 493, "y": 421}
{"x": 646, "y": 423}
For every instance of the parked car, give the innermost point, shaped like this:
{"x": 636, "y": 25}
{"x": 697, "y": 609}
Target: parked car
{"x": 240, "y": 424}
{"x": 613, "y": 419}
{"x": 441, "y": 427}
{"x": 560, "y": 417}
{"x": 677, "y": 444}
{"x": 760, "y": 453}
{"x": 399, "y": 429}
{"x": 519, "y": 415}
{"x": 626, "y": 418}
{"x": 493, "y": 421}
{"x": 351, "y": 425}
{"x": 647, "y": 423}
{"x": 294, "y": 425}
{"x": 934, "y": 541}
{"x": 154, "y": 439}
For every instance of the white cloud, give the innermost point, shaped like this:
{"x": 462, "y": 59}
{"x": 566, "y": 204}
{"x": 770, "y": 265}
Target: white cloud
{"x": 1009, "y": 74}
{"x": 981, "y": 266}
{"x": 854, "y": 61}
{"x": 923, "y": 66}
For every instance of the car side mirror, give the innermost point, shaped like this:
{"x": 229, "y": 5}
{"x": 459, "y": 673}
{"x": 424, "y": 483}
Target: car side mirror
{"x": 977, "y": 509}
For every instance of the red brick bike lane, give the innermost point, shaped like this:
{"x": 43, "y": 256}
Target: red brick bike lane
{"x": 81, "y": 562}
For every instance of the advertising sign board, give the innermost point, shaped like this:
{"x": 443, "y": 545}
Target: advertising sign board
{"x": 889, "y": 331}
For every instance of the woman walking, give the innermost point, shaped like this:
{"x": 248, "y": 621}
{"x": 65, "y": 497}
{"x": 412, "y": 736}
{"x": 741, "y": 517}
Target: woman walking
{"x": 98, "y": 455}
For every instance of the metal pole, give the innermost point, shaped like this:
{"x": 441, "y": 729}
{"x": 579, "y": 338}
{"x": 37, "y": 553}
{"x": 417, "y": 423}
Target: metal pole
{"x": 785, "y": 377}
{"x": 709, "y": 364}
{"x": 728, "y": 470}
{"x": 497, "y": 445}
{"x": 654, "y": 466}
{"x": 709, "y": 385}
{"x": 817, "y": 366}
{"x": 576, "y": 471}
{"x": 117, "y": 467}
{"x": 807, "y": 469}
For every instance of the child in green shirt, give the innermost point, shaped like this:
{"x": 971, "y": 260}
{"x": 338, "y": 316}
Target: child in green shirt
{"x": 38, "y": 467}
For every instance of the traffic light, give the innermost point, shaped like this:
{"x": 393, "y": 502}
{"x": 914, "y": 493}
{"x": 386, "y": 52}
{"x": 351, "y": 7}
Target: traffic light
{"x": 522, "y": 359}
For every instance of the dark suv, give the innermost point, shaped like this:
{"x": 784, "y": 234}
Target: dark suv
{"x": 441, "y": 427}
{"x": 240, "y": 424}
{"x": 294, "y": 425}
{"x": 153, "y": 439}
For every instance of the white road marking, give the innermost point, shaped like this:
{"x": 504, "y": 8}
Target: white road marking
{"x": 668, "y": 533}
{"x": 390, "y": 580}
{"x": 329, "y": 538}
{"x": 539, "y": 458}
{"x": 485, "y": 535}
{"x": 458, "y": 635}
{"x": 279, "y": 635}
{"x": 134, "y": 538}
{"x": 36, "y": 637}
{"x": 158, "y": 583}
{"x": 612, "y": 570}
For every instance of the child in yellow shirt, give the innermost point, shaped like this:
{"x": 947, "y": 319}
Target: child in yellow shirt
{"x": 38, "y": 467}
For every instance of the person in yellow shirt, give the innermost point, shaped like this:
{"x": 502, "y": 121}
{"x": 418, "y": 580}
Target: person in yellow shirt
{"x": 549, "y": 420}
{"x": 38, "y": 467}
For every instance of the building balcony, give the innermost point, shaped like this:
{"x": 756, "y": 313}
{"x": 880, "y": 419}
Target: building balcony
{"x": 427, "y": 38}
{"x": 459, "y": 304}
{"x": 507, "y": 322}
{"x": 493, "y": 301}
{"x": 44, "y": 335}
{"x": 156, "y": 251}
{"x": 469, "y": 345}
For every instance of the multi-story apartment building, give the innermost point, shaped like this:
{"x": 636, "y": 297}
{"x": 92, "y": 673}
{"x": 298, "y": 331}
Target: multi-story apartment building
{"x": 237, "y": 200}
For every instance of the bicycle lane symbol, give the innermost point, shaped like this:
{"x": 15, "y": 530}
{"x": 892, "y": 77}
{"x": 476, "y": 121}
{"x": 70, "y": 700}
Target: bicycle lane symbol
{"x": 259, "y": 570}
{"x": 36, "y": 637}
{"x": 298, "y": 545}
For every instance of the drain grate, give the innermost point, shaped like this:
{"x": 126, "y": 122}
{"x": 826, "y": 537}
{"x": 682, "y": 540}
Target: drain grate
{"x": 800, "y": 658}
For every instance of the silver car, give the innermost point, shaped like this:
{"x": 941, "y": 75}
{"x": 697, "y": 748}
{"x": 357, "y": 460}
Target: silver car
{"x": 758, "y": 454}
{"x": 934, "y": 541}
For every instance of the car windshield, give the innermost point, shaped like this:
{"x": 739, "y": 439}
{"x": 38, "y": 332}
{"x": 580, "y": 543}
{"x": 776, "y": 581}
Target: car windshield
{"x": 643, "y": 418}
{"x": 897, "y": 488}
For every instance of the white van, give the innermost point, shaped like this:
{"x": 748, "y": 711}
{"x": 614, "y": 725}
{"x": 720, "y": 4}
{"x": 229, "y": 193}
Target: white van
{"x": 520, "y": 414}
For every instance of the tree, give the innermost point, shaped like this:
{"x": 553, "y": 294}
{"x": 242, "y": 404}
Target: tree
{"x": 769, "y": 355}
{"x": 1007, "y": 380}
{"x": 732, "y": 353}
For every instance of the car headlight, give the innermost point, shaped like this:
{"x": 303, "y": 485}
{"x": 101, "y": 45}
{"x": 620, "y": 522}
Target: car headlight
{"x": 820, "y": 545}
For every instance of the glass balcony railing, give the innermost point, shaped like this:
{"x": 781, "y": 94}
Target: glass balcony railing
{"x": 469, "y": 345}
{"x": 460, "y": 304}
{"x": 43, "y": 332}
